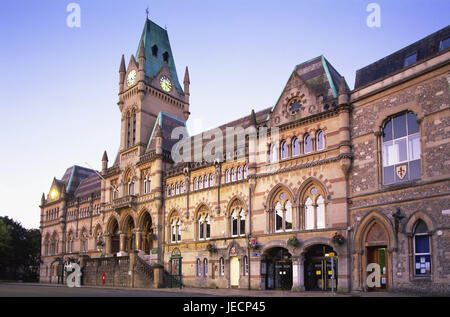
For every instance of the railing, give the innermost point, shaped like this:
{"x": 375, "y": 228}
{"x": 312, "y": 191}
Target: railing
{"x": 125, "y": 202}
{"x": 144, "y": 268}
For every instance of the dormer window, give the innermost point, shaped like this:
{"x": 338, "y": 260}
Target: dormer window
{"x": 166, "y": 57}
{"x": 444, "y": 44}
{"x": 155, "y": 50}
{"x": 411, "y": 59}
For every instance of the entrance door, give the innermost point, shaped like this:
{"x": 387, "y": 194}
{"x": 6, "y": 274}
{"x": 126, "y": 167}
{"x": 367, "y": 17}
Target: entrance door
{"x": 234, "y": 272}
{"x": 318, "y": 269}
{"x": 378, "y": 255}
{"x": 279, "y": 269}
{"x": 175, "y": 269}
{"x": 283, "y": 275}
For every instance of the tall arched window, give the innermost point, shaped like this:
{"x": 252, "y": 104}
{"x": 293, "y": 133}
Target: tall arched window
{"x": 203, "y": 224}
{"x": 147, "y": 183}
{"x": 295, "y": 147}
{"x": 422, "y": 249}
{"x": 177, "y": 189}
{"x": 401, "y": 149}
{"x": 273, "y": 153}
{"x": 237, "y": 219}
{"x": 134, "y": 129}
{"x": 284, "y": 150}
{"x": 199, "y": 267}
{"x": 227, "y": 176}
{"x": 239, "y": 173}
{"x": 320, "y": 141}
{"x": 205, "y": 181}
{"x": 200, "y": 182}
{"x": 195, "y": 184}
{"x": 128, "y": 130}
{"x": 130, "y": 185}
{"x": 314, "y": 208}
{"x": 282, "y": 212}
{"x": 211, "y": 180}
{"x": 205, "y": 267}
{"x": 221, "y": 267}
{"x": 245, "y": 171}
{"x": 246, "y": 267}
{"x": 307, "y": 144}
{"x": 233, "y": 174}
{"x": 182, "y": 187}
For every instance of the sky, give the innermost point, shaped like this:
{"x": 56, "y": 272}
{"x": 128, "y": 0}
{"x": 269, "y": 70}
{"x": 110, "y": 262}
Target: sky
{"x": 60, "y": 84}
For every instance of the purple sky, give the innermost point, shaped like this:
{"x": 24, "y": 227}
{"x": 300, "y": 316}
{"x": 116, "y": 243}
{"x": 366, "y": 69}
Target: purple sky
{"x": 59, "y": 84}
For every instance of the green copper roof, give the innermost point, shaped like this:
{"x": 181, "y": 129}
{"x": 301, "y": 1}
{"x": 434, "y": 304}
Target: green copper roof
{"x": 153, "y": 34}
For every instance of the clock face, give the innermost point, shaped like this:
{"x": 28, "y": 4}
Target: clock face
{"x": 131, "y": 79}
{"x": 165, "y": 83}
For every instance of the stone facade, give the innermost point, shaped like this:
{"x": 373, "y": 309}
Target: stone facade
{"x": 309, "y": 188}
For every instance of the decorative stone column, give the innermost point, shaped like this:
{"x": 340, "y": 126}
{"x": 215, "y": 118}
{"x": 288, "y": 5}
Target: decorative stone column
{"x": 138, "y": 238}
{"x": 301, "y": 271}
{"x": 295, "y": 274}
{"x": 123, "y": 238}
{"x": 107, "y": 238}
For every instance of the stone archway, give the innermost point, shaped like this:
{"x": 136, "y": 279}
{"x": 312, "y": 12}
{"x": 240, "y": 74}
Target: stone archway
{"x": 276, "y": 268}
{"x": 374, "y": 243}
{"x": 320, "y": 268}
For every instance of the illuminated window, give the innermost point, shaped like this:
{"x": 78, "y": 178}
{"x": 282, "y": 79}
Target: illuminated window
{"x": 401, "y": 149}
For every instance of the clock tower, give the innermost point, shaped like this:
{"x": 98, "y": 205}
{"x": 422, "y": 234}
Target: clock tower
{"x": 148, "y": 86}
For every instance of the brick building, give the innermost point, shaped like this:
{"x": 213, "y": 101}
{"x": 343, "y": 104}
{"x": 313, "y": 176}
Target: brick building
{"x": 324, "y": 183}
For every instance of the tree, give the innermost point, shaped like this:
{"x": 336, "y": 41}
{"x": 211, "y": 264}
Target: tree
{"x": 19, "y": 250}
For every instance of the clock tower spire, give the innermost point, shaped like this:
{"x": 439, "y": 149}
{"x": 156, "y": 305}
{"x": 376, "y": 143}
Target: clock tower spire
{"x": 149, "y": 86}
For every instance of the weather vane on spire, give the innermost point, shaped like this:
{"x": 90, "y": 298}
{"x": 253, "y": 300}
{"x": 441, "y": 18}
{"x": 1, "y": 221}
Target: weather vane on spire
{"x": 146, "y": 11}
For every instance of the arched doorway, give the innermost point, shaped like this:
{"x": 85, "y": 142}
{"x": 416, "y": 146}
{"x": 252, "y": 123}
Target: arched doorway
{"x": 319, "y": 268}
{"x": 115, "y": 238}
{"x": 147, "y": 234}
{"x": 278, "y": 265}
{"x": 376, "y": 243}
{"x": 129, "y": 235}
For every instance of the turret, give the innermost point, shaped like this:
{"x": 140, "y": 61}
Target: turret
{"x": 186, "y": 83}
{"x": 122, "y": 72}
{"x": 104, "y": 162}
{"x": 343, "y": 92}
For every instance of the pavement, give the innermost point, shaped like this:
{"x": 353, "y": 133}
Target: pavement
{"x": 50, "y": 290}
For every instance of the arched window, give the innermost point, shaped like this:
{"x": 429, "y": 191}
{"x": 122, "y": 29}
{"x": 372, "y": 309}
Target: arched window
{"x": 201, "y": 228}
{"x": 221, "y": 267}
{"x": 131, "y": 185}
{"x": 114, "y": 189}
{"x": 284, "y": 150}
{"x": 227, "y": 176}
{"x": 211, "y": 180}
{"x": 320, "y": 141}
{"x": 199, "y": 267}
{"x": 233, "y": 174}
{"x": 182, "y": 187}
{"x": 155, "y": 50}
{"x": 179, "y": 230}
{"x": 134, "y": 128}
{"x": 246, "y": 267}
{"x": 205, "y": 267}
{"x": 273, "y": 153}
{"x": 173, "y": 190}
{"x": 203, "y": 224}
{"x": 205, "y": 181}
{"x": 239, "y": 173}
{"x": 177, "y": 189}
{"x": 237, "y": 219}
{"x": 295, "y": 147}
{"x": 308, "y": 144}
{"x": 173, "y": 231}
{"x": 282, "y": 212}
{"x": 245, "y": 171}
{"x": 314, "y": 208}
{"x": 422, "y": 249}
{"x": 195, "y": 184}
{"x": 200, "y": 182}
{"x": 168, "y": 191}
{"x": 128, "y": 130}
{"x": 401, "y": 149}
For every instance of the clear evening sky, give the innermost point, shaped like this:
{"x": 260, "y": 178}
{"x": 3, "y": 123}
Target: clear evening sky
{"x": 59, "y": 85}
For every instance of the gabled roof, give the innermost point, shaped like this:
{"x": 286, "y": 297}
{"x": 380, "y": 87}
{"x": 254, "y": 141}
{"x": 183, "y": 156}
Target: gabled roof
{"x": 165, "y": 124}
{"x": 153, "y": 34}
{"x": 319, "y": 75}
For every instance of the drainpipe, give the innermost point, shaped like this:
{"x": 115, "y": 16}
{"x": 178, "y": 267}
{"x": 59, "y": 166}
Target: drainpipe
{"x": 249, "y": 233}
